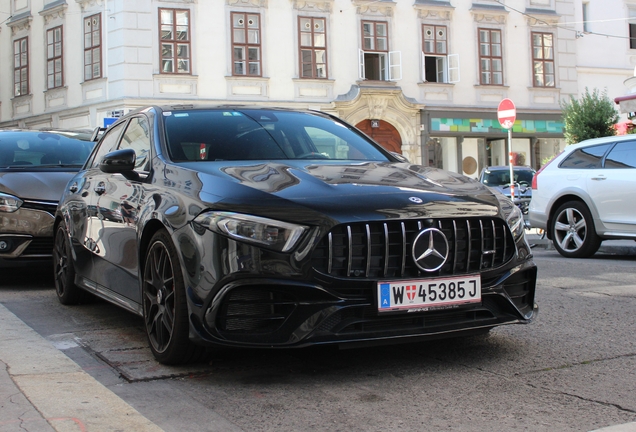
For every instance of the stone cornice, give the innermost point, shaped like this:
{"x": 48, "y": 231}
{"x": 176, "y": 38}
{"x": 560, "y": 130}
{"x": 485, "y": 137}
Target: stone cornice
{"x": 56, "y": 9}
{"x": 382, "y": 8}
{"x": 485, "y": 14}
{"x": 247, "y": 3}
{"x": 324, "y": 6}
{"x": 20, "y": 22}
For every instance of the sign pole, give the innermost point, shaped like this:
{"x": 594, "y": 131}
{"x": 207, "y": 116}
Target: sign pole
{"x": 510, "y": 162}
{"x": 507, "y": 114}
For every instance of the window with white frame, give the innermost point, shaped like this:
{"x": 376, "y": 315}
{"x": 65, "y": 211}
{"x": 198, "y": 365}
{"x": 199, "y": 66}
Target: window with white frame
{"x": 21, "y": 67}
{"x": 490, "y": 57}
{"x": 632, "y": 28}
{"x": 54, "y": 58}
{"x": 174, "y": 35}
{"x": 376, "y": 62}
{"x": 313, "y": 47}
{"x": 437, "y": 65}
{"x": 543, "y": 59}
{"x": 246, "y": 44}
{"x": 93, "y": 47}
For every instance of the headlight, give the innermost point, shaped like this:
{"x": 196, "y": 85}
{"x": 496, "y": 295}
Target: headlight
{"x": 270, "y": 233}
{"x": 9, "y": 203}
{"x": 513, "y": 215}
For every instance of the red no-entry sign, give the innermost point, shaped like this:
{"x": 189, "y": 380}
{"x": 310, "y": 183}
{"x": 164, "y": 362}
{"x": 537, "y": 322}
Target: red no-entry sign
{"x": 506, "y": 113}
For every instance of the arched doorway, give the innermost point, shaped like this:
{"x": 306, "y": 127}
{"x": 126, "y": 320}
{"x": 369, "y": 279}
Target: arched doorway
{"x": 383, "y": 133}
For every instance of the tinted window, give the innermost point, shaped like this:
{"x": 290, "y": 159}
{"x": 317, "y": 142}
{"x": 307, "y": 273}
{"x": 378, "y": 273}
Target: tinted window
{"x": 623, "y": 155}
{"x": 107, "y": 144}
{"x": 43, "y": 149}
{"x": 214, "y": 135}
{"x": 502, "y": 177}
{"x": 137, "y": 137}
{"x": 588, "y": 157}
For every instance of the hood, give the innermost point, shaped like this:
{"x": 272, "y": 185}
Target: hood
{"x": 42, "y": 186}
{"x": 343, "y": 191}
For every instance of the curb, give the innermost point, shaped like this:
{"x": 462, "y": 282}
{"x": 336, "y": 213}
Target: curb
{"x": 51, "y": 392}
{"x": 610, "y": 247}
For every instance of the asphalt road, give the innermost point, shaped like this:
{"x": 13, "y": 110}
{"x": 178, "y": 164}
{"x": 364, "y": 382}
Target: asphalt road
{"x": 574, "y": 368}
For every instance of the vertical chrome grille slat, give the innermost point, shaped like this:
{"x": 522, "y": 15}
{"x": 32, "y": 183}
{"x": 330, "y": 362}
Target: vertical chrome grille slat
{"x": 386, "y": 249}
{"x": 330, "y": 260}
{"x": 350, "y": 250}
{"x": 483, "y": 245}
{"x": 456, "y": 248}
{"x": 403, "y": 248}
{"x": 468, "y": 245}
{"x": 494, "y": 243}
{"x": 368, "y": 269}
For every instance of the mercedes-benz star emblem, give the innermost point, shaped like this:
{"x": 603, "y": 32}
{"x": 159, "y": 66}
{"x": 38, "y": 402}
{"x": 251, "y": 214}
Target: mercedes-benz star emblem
{"x": 430, "y": 249}
{"x": 416, "y": 200}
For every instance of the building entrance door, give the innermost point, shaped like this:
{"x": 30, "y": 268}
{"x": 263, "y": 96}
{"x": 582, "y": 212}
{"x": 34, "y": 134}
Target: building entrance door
{"x": 383, "y": 133}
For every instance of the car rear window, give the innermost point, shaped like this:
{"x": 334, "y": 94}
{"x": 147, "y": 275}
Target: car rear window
{"x": 502, "y": 177}
{"x": 43, "y": 149}
{"x": 250, "y": 134}
{"x": 587, "y": 157}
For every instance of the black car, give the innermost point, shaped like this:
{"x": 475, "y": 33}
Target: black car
{"x": 498, "y": 177}
{"x": 262, "y": 227}
{"x": 35, "y": 166}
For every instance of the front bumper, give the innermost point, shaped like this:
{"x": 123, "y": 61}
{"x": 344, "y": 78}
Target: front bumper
{"x": 263, "y": 299}
{"x": 26, "y": 234}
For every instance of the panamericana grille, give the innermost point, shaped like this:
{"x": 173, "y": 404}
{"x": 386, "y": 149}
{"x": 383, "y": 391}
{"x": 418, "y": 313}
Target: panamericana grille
{"x": 384, "y": 249}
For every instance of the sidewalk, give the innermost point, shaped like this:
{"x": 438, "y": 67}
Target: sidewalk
{"x": 41, "y": 389}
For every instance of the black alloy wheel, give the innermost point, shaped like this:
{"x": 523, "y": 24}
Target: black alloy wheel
{"x": 573, "y": 232}
{"x": 63, "y": 270}
{"x": 164, "y": 304}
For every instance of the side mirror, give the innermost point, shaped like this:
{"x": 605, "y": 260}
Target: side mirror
{"x": 118, "y": 161}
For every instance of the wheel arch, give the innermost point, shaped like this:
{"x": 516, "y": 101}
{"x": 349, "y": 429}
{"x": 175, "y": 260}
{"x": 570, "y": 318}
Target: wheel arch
{"x": 150, "y": 229}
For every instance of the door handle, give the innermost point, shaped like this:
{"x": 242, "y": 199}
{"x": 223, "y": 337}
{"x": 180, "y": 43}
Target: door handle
{"x": 601, "y": 177}
{"x": 100, "y": 188}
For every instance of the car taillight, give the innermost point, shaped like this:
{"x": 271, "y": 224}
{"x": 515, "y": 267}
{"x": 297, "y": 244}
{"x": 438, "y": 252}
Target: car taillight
{"x": 536, "y": 175}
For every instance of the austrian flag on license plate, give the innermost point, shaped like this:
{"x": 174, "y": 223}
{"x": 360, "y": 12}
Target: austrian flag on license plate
{"x": 428, "y": 294}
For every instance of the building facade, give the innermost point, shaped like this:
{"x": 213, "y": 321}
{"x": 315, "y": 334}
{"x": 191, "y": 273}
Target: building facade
{"x": 422, "y": 77}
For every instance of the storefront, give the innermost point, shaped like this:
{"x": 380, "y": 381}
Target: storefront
{"x": 466, "y": 142}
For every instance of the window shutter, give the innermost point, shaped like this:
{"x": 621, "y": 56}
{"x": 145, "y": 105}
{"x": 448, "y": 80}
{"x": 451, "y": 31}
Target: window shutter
{"x": 361, "y": 64}
{"x": 423, "y": 67}
{"x": 395, "y": 65}
{"x": 453, "y": 68}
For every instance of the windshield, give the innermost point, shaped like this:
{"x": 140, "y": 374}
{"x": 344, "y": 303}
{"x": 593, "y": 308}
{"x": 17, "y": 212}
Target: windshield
{"x": 502, "y": 177}
{"x": 253, "y": 134}
{"x": 33, "y": 149}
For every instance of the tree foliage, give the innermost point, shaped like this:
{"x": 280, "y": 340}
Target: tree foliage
{"x": 591, "y": 116}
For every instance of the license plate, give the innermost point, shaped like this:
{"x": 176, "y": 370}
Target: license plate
{"x": 428, "y": 294}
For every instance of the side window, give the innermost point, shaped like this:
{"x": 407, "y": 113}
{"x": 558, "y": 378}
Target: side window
{"x": 623, "y": 155}
{"x": 107, "y": 144}
{"x": 589, "y": 157}
{"x": 137, "y": 137}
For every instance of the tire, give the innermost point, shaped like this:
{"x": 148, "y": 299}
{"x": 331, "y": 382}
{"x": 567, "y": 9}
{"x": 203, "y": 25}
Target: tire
{"x": 63, "y": 270}
{"x": 573, "y": 232}
{"x": 165, "y": 310}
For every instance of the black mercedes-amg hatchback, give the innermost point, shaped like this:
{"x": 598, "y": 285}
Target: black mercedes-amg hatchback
{"x": 263, "y": 227}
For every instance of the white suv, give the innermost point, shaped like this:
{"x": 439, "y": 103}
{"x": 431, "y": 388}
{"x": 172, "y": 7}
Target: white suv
{"x": 587, "y": 194}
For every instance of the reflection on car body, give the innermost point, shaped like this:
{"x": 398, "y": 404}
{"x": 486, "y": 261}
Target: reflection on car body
{"x": 263, "y": 227}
